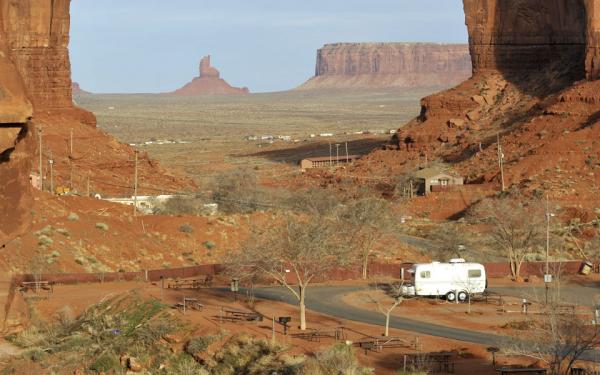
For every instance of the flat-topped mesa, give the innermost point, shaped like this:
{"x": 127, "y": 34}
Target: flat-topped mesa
{"x": 381, "y": 65}
{"x": 209, "y": 83}
{"x": 516, "y": 36}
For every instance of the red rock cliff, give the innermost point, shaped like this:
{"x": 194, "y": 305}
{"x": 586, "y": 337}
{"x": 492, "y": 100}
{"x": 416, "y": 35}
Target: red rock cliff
{"x": 377, "y": 65}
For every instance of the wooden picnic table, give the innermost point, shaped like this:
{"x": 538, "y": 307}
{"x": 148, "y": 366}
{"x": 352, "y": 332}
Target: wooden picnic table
{"x": 316, "y": 335}
{"x": 439, "y": 361}
{"x": 37, "y": 286}
{"x": 239, "y": 316}
{"x": 521, "y": 370}
{"x": 378, "y": 344}
{"x": 189, "y": 304}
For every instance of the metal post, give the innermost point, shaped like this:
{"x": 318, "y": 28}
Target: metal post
{"x": 330, "y": 155}
{"x": 501, "y": 162}
{"x": 51, "y": 162}
{"x": 337, "y": 153}
{"x": 41, "y": 159}
{"x": 347, "y": 155}
{"x": 135, "y": 185}
{"x": 273, "y": 331}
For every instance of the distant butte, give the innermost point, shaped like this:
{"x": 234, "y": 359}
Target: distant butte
{"x": 390, "y": 65}
{"x": 209, "y": 83}
{"x": 77, "y": 90}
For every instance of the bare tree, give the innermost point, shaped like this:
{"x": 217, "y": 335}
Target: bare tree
{"x": 450, "y": 241}
{"x": 364, "y": 223}
{"x": 518, "y": 227}
{"x": 293, "y": 252}
{"x": 386, "y": 302}
{"x": 560, "y": 340}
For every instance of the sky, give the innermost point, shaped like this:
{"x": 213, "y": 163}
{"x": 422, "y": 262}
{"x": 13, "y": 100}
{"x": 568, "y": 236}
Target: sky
{"x": 151, "y": 46}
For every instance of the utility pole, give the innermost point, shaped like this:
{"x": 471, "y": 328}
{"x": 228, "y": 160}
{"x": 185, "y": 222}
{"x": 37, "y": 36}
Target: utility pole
{"x": 41, "y": 166}
{"x": 547, "y": 276}
{"x": 135, "y": 185}
{"x": 71, "y": 160}
{"x": 347, "y": 155}
{"x": 51, "y": 162}
{"x": 501, "y": 162}
{"x": 88, "y": 185}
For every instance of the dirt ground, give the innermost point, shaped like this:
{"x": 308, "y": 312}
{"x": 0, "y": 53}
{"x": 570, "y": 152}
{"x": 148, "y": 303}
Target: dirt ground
{"x": 470, "y": 358}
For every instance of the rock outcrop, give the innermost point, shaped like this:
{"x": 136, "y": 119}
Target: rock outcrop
{"x": 383, "y": 65}
{"x": 77, "y": 90}
{"x": 534, "y": 86}
{"x": 209, "y": 83}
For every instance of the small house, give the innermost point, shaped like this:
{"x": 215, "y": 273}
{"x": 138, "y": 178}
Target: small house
{"x": 431, "y": 180}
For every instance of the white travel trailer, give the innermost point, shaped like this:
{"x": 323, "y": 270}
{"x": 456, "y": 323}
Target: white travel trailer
{"x": 455, "y": 279}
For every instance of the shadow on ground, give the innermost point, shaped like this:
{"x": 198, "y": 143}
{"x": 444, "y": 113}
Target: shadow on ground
{"x": 293, "y": 155}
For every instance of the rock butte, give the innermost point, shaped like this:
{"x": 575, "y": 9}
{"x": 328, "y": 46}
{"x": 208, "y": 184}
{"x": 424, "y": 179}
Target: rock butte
{"x": 35, "y": 93}
{"x": 209, "y": 83}
{"x": 77, "y": 90}
{"x": 384, "y": 65}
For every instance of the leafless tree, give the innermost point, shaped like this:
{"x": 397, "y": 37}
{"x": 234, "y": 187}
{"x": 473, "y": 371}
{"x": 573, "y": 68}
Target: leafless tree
{"x": 293, "y": 252}
{"x": 517, "y": 227}
{"x": 450, "y": 241}
{"x": 560, "y": 340}
{"x": 364, "y": 223}
{"x": 386, "y": 302}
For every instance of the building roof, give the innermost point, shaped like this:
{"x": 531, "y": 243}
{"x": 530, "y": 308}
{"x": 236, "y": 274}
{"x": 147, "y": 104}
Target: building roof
{"x": 334, "y": 158}
{"x": 432, "y": 172}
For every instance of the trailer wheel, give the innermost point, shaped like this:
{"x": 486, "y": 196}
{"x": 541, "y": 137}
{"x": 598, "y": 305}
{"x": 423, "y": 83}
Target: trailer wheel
{"x": 450, "y": 297}
{"x": 463, "y": 296}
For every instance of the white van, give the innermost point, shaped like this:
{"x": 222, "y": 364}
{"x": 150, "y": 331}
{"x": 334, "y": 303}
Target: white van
{"x": 455, "y": 279}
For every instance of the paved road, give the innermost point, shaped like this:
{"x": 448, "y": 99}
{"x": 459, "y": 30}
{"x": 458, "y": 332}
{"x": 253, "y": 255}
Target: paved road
{"x": 579, "y": 295}
{"x": 328, "y": 300}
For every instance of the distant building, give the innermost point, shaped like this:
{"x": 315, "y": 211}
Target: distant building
{"x": 326, "y": 161}
{"x": 431, "y": 180}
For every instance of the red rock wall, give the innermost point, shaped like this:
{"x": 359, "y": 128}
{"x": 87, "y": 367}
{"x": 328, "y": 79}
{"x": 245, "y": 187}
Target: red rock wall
{"x": 526, "y": 35}
{"x": 391, "y": 65}
{"x": 36, "y": 33}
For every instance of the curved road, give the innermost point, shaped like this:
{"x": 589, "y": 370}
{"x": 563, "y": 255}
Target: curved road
{"x": 328, "y": 300}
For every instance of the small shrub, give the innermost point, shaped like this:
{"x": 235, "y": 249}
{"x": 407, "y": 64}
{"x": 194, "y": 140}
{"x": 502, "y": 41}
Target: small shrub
{"x": 106, "y": 363}
{"x": 199, "y": 344}
{"x": 55, "y": 254}
{"x": 73, "y": 217}
{"x": 64, "y": 232}
{"x": 340, "y": 359}
{"x": 102, "y": 226}
{"x": 79, "y": 261}
{"x": 523, "y": 325}
{"x": 44, "y": 240}
{"x": 209, "y": 245}
{"x": 186, "y": 228}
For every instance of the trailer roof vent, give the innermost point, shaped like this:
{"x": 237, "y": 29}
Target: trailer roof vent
{"x": 457, "y": 260}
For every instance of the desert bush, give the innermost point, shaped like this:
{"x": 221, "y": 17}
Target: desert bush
{"x": 186, "y": 228}
{"x": 106, "y": 363}
{"x": 209, "y": 245}
{"x": 102, "y": 226}
{"x": 44, "y": 240}
{"x": 186, "y": 365}
{"x": 340, "y": 359}
{"x": 199, "y": 344}
{"x": 73, "y": 217}
{"x": 64, "y": 232}
{"x": 151, "y": 333}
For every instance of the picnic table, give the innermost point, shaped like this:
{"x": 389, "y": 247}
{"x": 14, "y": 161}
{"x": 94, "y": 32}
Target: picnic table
{"x": 202, "y": 282}
{"x": 316, "y": 335}
{"x": 521, "y": 370}
{"x": 378, "y": 344}
{"x": 233, "y": 315}
{"x": 438, "y": 361}
{"x": 36, "y": 286}
{"x": 189, "y": 304}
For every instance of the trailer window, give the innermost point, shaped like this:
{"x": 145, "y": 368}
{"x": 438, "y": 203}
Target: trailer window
{"x": 425, "y": 274}
{"x": 474, "y": 274}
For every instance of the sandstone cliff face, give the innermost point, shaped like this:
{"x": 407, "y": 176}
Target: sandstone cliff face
{"x": 376, "y": 65}
{"x": 209, "y": 83}
{"x": 37, "y": 37}
{"x": 535, "y": 66}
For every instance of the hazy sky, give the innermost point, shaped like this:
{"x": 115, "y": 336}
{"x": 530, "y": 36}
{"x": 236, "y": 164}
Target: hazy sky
{"x": 267, "y": 45}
